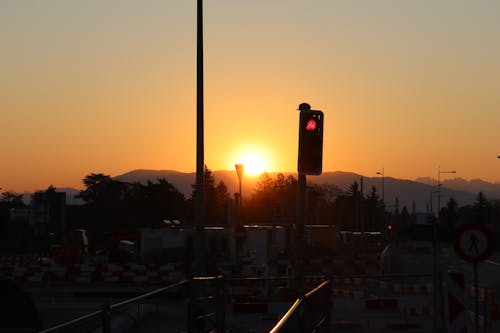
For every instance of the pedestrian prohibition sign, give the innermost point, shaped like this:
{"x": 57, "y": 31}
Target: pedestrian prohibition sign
{"x": 474, "y": 243}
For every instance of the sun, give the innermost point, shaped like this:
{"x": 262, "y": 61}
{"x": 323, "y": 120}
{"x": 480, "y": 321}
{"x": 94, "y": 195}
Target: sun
{"x": 254, "y": 160}
{"x": 253, "y": 165}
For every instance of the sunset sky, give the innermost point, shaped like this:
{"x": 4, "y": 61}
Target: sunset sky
{"x": 110, "y": 86}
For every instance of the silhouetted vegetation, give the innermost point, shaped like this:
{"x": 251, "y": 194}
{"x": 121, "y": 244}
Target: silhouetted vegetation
{"x": 112, "y": 206}
{"x": 216, "y": 201}
{"x": 15, "y": 230}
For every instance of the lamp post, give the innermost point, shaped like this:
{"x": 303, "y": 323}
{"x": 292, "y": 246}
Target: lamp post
{"x": 436, "y": 248}
{"x": 383, "y": 184}
{"x": 239, "y": 171}
{"x": 439, "y": 188}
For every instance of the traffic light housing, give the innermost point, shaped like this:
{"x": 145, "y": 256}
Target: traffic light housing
{"x": 311, "y": 142}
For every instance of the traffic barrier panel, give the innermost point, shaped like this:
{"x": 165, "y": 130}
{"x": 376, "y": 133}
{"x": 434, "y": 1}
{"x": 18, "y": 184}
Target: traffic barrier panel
{"x": 456, "y": 308}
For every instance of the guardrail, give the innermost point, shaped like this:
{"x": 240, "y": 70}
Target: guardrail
{"x": 206, "y": 300}
{"x": 105, "y": 313}
{"x": 310, "y": 313}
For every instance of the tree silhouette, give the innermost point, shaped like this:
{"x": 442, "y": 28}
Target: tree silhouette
{"x": 346, "y": 208}
{"x": 112, "y": 206}
{"x": 12, "y": 200}
{"x": 273, "y": 201}
{"x": 374, "y": 211}
{"x": 216, "y": 200}
{"x": 482, "y": 209}
{"x": 14, "y": 235}
{"x": 449, "y": 214}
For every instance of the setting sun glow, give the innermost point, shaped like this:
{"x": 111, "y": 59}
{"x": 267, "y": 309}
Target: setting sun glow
{"x": 255, "y": 161}
{"x": 110, "y": 87}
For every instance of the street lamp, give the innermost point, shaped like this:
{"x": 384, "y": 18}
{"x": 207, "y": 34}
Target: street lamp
{"x": 439, "y": 188}
{"x": 383, "y": 185}
{"x": 239, "y": 171}
{"x": 435, "y": 246}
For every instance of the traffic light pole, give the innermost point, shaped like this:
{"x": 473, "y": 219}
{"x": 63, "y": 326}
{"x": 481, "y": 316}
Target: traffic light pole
{"x": 299, "y": 233}
{"x": 310, "y": 162}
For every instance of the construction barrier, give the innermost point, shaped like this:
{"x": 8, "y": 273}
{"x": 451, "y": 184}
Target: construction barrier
{"x": 456, "y": 303}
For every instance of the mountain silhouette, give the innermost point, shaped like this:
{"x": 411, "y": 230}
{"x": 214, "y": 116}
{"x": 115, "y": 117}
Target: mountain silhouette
{"x": 406, "y": 191}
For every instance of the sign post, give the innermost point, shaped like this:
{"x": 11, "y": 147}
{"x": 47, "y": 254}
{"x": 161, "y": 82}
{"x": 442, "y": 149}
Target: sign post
{"x": 474, "y": 244}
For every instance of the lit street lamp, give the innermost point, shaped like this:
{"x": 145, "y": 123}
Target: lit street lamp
{"x": 239, "y": 171}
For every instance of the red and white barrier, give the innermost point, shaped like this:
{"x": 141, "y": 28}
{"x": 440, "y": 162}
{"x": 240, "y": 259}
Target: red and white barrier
{"x": 456, "y": 307}
{"x": 398, "y": 288}
{"x": 90, "y": 273}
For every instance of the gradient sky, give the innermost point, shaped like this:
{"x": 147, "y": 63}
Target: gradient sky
{"x": 110, "y": 86}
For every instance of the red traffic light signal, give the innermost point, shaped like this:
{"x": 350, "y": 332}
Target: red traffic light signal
{"x": 310, "y": 142}
{"x": 311, "y": 125}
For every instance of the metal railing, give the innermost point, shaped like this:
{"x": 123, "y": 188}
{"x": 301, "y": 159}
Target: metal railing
{"x": 310, "y": 313}
{"x": 107, "y": 310}
{"x": 207, "y": 298}
{"x": 204, "y": 303}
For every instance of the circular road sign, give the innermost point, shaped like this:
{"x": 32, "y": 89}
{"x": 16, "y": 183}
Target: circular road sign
{"x": 474, "y": 243}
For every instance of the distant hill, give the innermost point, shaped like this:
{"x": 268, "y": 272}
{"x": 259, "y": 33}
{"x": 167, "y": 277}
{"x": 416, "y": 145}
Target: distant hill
{"x": 182, "y": 181}
{"x": 407, "y": 191}
{"x": 490, "y": 190}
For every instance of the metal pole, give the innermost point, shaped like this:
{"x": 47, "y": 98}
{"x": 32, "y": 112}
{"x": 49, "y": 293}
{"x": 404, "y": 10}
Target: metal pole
{"x": 199, "y": 267}
{"x": 239, "y": 172}
{"x": 299, "y": 228}
{"x": 361, "y": 212}
{"x": 200, "y": 155}
{"x": 434, "y": 276}
{"x": 436, "y": 269}
{"x": 439, "y": 192}
{"x": 220, "y": 300}
{"x": 383, "y": 186}
{"x": 106, "y": 318}
{"x": 190, "y": 309}
{"x": 476, "y": 301}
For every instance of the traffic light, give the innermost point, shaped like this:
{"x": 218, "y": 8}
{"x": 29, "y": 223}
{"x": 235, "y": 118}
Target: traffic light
{"x": 310, "y": 142}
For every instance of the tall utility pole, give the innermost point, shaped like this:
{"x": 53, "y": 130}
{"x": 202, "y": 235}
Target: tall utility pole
{"x": 200, "y": 152}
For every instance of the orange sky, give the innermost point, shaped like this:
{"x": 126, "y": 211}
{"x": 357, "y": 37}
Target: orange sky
{"x": 110, "y": 86}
